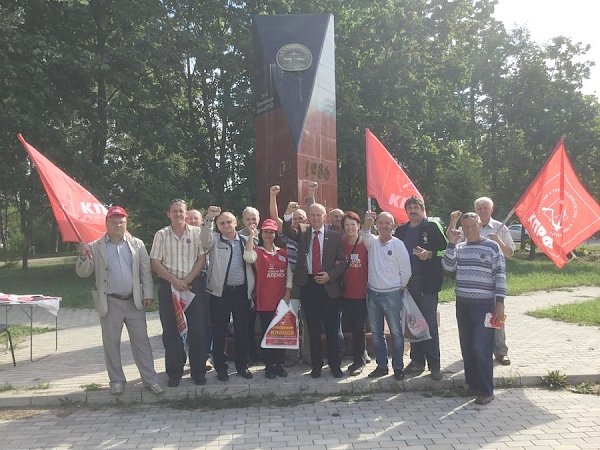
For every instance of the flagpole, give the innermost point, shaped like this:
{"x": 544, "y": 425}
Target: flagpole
{"x": 510, "y": 214}
{"x": 366, "y": 165}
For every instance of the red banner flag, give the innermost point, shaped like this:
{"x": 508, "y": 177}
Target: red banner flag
{"x": 80, "y": 216}
{"x": 386, "y": 181}
{"x": 556, "y": 209}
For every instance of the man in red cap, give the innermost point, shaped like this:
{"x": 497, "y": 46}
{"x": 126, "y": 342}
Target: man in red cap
{"x": 123, "y": 288}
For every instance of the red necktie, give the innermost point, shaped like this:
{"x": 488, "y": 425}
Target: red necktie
{"x": 316, "y": 254}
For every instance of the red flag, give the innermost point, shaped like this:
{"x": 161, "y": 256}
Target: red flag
{"x": 386, "y": 181}
{"x": 80, "y": 216}
{"x": 556, "y": 209}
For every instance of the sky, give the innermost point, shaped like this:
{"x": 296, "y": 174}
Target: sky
{"x": 545, "y": 19}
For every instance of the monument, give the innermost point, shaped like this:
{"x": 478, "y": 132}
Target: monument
{"x": 295, "y": 108}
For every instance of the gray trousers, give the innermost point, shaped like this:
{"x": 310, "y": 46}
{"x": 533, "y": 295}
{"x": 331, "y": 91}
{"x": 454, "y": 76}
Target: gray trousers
{"x": 500, "y": 347}
{"x": 124, "y": 312}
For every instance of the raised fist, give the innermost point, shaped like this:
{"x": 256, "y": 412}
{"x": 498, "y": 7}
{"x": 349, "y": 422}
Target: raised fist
{"x": 252, "y": 231}
{"x": 455, "y": 215}
{"x": 313, "y": 185}
{"x": 291, "y": 207}
{"x": 274, "y": 190}
{"x": 213, "y": 211}
{"x": 370, "y": 216}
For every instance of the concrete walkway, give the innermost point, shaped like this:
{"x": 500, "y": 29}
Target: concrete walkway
{"x": 68, "y": 375}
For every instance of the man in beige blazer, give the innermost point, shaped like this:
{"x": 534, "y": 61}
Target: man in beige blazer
{"x": 122, "y": 290}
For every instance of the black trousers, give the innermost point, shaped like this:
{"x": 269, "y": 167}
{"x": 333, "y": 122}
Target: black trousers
{"x": 271, "y": 356}
{"x": 355, "y": 316}
{"x": 233, "y": 300}
{"x": 197, "y": 321}
{"x": 321, "y": 312}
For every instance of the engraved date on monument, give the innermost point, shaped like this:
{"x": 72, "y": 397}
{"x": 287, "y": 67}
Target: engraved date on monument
{"x": 317, "y": 170}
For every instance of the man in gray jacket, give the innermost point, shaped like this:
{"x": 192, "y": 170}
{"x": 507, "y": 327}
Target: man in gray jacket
{"x": 123, "y": 288}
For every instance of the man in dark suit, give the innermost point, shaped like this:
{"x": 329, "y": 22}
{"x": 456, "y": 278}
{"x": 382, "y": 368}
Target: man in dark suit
{"x": 320, "y": 264}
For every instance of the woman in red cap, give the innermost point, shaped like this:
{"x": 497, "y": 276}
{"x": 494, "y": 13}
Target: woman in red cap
{"x": 273, "y": 282}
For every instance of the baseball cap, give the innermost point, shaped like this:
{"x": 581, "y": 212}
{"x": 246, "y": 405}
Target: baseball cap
{"x": 269, "y": 224}
{"x": 116, "y": 211}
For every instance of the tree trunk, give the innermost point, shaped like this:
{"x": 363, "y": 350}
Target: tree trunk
{"x": 25, "y": 229}
{"x": 100, "y": 131}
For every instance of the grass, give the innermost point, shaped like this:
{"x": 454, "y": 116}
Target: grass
{"x": 525, "y": 275}
{"x": 555, "y": 380}
{"x": 58, "y": 279}
{"x": 19, "y": 333}
{"x": 38, "y": 387}
{"x": 91, "y": 387}
{"x": 56, "y": 276}
{"x": 583, "y": 313}
{"x": 6, "y": 387}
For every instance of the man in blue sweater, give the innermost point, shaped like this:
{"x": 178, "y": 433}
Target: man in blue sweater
{"x": 480, "y": 289}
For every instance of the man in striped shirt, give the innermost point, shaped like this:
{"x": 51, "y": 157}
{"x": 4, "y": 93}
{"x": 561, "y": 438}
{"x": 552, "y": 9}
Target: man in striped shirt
{"x": 480, "y": 290}
{"x": 177, "y": 258}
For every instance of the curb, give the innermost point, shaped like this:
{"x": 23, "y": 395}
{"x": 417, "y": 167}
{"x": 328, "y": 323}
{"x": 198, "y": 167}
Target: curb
{"x": 300, "y": 387}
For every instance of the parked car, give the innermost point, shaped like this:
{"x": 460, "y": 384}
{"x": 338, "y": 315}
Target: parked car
{"x": 515, "y": 232}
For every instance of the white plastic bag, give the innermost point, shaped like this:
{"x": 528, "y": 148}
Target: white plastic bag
{"x": 414, "y": 325}
{"x": 282, "y": 332}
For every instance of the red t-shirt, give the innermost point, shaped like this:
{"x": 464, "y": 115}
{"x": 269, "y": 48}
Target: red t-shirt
{"x": 271, "y": 274}
{"x": 355, "y": 278}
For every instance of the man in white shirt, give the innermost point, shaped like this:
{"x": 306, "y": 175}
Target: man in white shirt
{"x": 389, "y": 272}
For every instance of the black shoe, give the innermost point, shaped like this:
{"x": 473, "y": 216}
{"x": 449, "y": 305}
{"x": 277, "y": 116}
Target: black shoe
{"x": 316, "y": 372}
{"x": 398, "y": 374}
{"x": 199, "y": 380}
{"x": 270, "y": 373}
{"x": 245, "y": 373}
{"x": 173, "y": 382}
{"x": 279, "y": 371}
{"x": 337, "y": 372}
{"x": 222, "y": 375}
{"x": 436, "y": 374}
{"x": 414, "y": 369}
{"x": 468, "y": 391}
{"x": 355, "y": 369}
{"x": 484, "y": 399}
{"x": 503, "y": 360}
{"x": 378, "y": 372}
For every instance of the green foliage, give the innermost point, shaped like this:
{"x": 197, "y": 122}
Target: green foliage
{"x": 584, "y": 313}
{"x": 555, "y": 380}
{"x": 586, "y": 388}
{"x": 56, "y": 280}
{"x": 91, "y": 387}
{"x": 511, "y": 380}
{"x": 526, "y": 275}
{"x": 149, "y": 100}
{"x": 38, "y": 386}
{"x": 6, "y": 387}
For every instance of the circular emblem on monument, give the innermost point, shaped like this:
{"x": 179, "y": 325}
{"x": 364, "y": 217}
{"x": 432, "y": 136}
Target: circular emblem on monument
{"x": 294, "y": 57}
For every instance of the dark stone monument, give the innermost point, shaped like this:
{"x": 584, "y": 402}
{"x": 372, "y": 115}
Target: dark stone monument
{"x": 295, "y": 108}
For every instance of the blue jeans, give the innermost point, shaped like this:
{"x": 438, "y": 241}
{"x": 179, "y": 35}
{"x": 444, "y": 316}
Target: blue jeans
{"x": 476, "y": 345}
{"x": 388, "y": 305}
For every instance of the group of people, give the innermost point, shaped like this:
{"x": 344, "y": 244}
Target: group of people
{"x": 341, "y": 267}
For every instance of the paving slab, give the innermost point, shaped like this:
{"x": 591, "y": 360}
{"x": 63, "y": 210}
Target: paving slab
{"x": 76, "y": 372}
